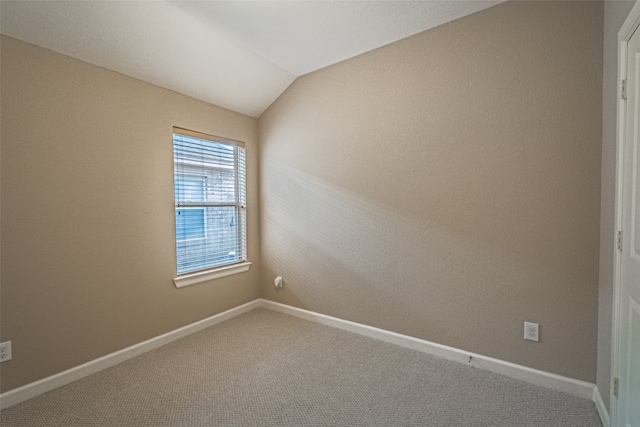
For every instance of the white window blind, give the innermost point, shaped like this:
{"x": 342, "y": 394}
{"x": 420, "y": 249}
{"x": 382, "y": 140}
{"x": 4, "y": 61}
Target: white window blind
{"x": 210, "y": 199}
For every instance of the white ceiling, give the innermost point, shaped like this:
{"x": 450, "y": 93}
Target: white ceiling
{"x": 240, "y": 55}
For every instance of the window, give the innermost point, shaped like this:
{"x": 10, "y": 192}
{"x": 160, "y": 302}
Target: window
{"x": 210, "y": 198}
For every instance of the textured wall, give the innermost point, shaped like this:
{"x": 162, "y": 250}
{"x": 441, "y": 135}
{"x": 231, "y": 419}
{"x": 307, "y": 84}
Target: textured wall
{"x": 447, "y": 186}
{"x": 88, "y": 250}
{"x": 615, "y": 13}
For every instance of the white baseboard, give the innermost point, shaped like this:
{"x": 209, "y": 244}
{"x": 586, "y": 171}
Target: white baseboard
{"x": 533, "y": 376}
{"x": 602, "y": 409}
{"x": 44, "y": 385}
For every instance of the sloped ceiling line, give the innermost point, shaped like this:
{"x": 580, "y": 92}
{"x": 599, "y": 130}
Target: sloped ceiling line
{"x": 240, "y": 55}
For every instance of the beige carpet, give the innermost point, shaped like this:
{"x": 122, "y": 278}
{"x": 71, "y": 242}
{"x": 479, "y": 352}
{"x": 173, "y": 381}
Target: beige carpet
{"x": 268, "y": 369}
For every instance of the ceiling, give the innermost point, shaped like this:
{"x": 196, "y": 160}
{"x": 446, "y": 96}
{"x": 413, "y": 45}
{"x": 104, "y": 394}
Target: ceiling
{"x": 240, "y": 55}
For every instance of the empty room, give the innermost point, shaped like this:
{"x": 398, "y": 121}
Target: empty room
{"x": 320, "y": 213}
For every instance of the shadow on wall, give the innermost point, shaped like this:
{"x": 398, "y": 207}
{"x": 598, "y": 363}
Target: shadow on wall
{"x": 336, "y": 248}
{"x": 447, "y": 186}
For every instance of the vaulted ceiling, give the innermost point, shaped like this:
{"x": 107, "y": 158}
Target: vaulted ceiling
{"x": 240, "y": 55}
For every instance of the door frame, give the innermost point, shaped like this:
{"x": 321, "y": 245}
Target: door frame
{"x": 631, "y": 23}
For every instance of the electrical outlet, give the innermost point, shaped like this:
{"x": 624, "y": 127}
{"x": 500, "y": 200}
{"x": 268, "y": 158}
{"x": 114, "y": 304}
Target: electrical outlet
{"x": 5, "y": 351}
{"x": 278, "y": 282}
{"x": 531, "y": 331}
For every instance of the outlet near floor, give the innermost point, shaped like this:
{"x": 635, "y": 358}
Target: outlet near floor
{"x": 278, "y": 282}
{"x": 5, "y": 351}
{"x": 531, "y": 331}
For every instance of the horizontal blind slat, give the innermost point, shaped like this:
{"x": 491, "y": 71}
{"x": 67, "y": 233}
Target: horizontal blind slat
{"x": 210, "y": 194}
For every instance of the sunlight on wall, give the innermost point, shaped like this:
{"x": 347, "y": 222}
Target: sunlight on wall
{"x": 354, "y": 249}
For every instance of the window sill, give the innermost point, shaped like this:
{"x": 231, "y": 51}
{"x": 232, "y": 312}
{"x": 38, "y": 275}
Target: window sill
{"x": 216, "y": 273}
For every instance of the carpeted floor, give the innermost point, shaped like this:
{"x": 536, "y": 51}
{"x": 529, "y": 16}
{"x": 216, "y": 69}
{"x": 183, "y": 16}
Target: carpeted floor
{"x": 268, "y": 369}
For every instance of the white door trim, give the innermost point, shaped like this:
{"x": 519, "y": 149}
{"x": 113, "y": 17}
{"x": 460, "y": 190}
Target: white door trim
{"x": 624, "y": 35}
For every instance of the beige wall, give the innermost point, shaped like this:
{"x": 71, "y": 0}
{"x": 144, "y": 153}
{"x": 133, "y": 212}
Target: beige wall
{"x": 448, "y": 186}
{"x": 88, "y": 250}
{"x": 615, "y": 13}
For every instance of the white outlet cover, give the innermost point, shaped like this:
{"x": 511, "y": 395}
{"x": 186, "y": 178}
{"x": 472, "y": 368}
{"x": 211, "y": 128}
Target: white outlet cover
{"x": 531, "y": 331}
{"x": 278, "y": 282}
{"x": 5, "y": 351}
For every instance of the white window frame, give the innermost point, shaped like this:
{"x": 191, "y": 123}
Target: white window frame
{"x": 241, "y": 266}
